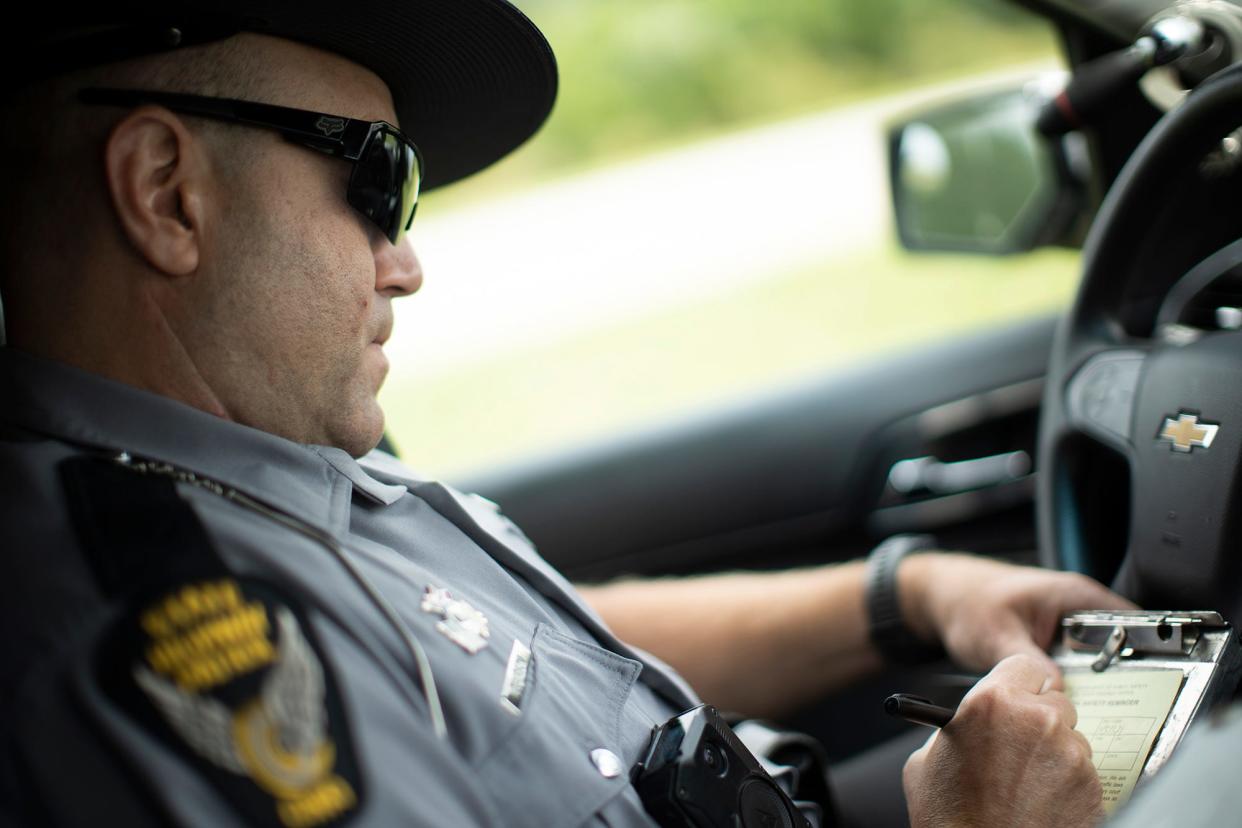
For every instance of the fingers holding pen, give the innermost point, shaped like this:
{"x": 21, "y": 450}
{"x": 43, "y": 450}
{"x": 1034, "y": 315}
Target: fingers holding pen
{"x": 1019, "y": 692}
{"x": 1010, "y": 753}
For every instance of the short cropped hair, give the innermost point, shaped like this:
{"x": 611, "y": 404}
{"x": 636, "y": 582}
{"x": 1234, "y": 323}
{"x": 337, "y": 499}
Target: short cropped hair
{"x": 51, "y": 158}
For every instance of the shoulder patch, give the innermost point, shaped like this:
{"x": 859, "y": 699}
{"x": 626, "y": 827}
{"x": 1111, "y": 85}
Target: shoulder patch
{"x": 225, "y": 670}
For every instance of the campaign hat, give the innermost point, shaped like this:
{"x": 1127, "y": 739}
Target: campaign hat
{"x": 471, "y": 80}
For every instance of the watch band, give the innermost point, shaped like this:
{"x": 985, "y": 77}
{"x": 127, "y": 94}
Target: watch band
{"x": 888, "y": 629}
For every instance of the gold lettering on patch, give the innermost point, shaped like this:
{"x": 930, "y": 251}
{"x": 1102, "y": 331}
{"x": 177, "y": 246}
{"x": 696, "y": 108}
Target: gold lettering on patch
{"x": 206, "y": 635}
{"x": 224, "y": 648}
{"x": 189, "y": 604}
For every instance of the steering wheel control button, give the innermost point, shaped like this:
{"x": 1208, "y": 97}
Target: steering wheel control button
{"x": 607, "y": 763}
{"x": 1101, "y": 395}
{"x": 1185, "y": 433}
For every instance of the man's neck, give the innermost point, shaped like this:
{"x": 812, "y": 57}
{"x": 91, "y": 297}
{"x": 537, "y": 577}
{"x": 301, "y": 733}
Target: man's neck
{"x": 125, "y": 339}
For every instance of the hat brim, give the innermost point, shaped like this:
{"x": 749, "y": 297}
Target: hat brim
{"x": 471, "y": 80}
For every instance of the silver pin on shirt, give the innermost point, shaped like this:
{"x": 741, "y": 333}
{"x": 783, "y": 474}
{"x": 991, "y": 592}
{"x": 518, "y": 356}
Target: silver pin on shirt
{"x": 461, "y": 623}
{"x": 517, "y": 671}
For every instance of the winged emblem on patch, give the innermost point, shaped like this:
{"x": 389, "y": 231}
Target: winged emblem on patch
{"x": 279, "y": 738}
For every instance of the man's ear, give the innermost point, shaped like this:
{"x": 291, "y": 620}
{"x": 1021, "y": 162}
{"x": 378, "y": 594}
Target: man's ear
{"x": 157, "y": 178}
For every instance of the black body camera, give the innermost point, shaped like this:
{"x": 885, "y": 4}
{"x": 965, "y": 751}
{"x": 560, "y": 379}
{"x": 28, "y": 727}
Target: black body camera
{"x": 698, "y": 774}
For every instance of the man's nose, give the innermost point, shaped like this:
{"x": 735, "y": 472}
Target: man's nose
{"x": 397, "y": 270}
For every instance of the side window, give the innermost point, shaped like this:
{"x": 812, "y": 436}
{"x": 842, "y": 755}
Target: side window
{"x": 705, "y": 216}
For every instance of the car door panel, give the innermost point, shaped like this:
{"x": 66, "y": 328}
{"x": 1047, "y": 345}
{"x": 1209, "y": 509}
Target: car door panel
{"x": 797, "y": 476}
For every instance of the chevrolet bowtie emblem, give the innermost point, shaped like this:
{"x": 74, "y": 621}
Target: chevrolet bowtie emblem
{"x": 1186, "y": 432}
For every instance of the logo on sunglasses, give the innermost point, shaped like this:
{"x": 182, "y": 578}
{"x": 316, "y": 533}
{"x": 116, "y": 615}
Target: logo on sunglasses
{"x": 330, "y": 126}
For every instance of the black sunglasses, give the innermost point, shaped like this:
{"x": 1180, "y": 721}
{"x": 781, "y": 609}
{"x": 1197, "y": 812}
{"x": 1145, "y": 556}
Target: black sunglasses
{"x": 388, "y": 168}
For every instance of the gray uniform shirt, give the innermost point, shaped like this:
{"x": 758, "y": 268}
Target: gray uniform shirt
{"x": 338, "y": 707}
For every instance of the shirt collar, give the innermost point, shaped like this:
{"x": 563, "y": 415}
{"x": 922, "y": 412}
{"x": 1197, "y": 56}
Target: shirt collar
{"x": 380, "y": 492}
{"x": 60, "y": 401}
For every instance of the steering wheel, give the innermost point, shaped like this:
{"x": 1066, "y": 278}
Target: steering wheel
{"x": 1141, "y": 438}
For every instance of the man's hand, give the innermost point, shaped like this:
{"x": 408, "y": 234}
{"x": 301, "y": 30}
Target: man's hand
{"x": 1010, "y": 756}
{"x": 764, "y": 644}
{"x": 983, "y": 610}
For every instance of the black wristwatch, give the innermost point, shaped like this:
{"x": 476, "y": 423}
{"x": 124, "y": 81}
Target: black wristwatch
{"x": 889, "y": 632}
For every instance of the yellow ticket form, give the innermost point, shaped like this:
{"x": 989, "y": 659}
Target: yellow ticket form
{"x": 1121, "y": 713}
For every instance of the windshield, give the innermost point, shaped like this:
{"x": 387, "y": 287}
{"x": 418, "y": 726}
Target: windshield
{"x": 705, "y": 216}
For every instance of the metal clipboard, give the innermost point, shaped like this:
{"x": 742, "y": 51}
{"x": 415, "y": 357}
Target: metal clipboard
{"x": 1202, "y": 645}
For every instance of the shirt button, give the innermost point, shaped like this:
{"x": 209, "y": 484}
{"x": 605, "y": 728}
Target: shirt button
{"x": 607, "y": 763}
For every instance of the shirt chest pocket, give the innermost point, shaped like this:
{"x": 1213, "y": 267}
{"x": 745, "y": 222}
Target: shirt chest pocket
{"x": 551, "y": 770}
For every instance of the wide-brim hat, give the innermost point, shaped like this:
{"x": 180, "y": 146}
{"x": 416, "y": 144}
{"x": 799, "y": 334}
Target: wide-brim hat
{"x": 470, "y": 79}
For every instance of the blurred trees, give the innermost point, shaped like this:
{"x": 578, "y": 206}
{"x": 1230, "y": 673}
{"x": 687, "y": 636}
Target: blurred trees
{"x": 640, "y": 72}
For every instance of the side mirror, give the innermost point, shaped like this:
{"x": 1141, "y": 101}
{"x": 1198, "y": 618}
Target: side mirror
{"x": 975, "y": 176}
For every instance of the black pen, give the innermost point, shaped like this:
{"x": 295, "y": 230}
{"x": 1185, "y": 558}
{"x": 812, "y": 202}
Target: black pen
{"x": 918, "y": 710}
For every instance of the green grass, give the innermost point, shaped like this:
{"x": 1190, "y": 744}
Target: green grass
{"x": 763, "y": 335}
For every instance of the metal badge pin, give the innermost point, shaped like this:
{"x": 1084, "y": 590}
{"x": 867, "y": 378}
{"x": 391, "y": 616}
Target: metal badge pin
{"x": 461, "y": 623}
{"x": 516, "y": 673}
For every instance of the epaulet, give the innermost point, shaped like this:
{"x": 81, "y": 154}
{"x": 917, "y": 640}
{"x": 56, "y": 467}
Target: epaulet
{"x": 133, "y": 528}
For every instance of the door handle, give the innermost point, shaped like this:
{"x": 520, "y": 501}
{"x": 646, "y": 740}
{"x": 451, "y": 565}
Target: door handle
{"x": 928, "y": 474}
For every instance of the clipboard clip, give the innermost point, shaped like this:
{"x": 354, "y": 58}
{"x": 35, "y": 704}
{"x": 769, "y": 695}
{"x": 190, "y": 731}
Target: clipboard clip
{"x": 1122, "y": 635}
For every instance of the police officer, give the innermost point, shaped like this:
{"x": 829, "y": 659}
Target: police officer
{"x": 221, "y": 606}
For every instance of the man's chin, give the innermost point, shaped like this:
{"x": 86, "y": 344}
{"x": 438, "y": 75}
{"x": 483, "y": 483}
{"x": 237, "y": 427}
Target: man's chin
{"x": 363, "y": 432}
